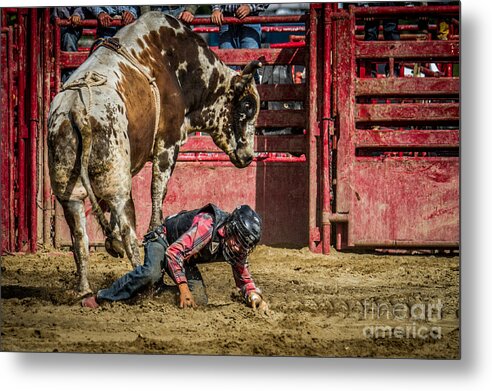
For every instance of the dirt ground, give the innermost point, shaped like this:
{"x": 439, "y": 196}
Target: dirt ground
{"x": 341, "y": 305}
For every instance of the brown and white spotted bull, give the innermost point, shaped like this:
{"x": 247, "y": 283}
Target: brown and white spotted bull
{"x": 121, "y": 109}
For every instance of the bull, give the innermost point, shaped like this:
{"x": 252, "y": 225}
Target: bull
{"x": 134, "y": 100}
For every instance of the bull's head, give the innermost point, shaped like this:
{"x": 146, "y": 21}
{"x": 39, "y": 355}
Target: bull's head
{"x": 236, "y": 134}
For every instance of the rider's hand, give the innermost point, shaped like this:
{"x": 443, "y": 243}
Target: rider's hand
{"x": 217, "y": 17}
{"x": 243, "y": 11}
{"x": 75, "y": 20}
{"x": 127, "y": 18}
{"x": 186, "y": 299}
{"x": 256, "y": 302}
{"x": 104, "y": 19}
{"x": 186, "y": 16}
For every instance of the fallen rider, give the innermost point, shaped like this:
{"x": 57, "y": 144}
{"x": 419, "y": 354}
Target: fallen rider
{"x": 185, "y": 240}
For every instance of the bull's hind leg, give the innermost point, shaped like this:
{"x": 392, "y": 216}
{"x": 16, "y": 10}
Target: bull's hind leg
{"x": 75, "y": 217}
{"x": 123, "y": 210}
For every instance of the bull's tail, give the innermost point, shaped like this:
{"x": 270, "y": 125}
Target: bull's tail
{"x": 113, "y": 245}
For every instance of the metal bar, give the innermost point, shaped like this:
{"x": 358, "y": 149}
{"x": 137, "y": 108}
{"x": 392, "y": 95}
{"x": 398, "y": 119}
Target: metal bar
{"x": 325, "y": 137}
{"x": 288, "y": 144}
{"x": 328, "y": 217}
{"x": 400, "y": 27}
{"x": 282, "y": 92}
{"x": 414, "y": 50}
{"x": 408, "y": 86}
{"x": 407, "y": 138}
{"x": 313, "y": 128}
{"x": 57, "y": 55}
{"x": 22, "y": 132}
{"x": 287, "y": 45}
{"x": 345, "y": 111}
{"x": 403, "y": 11}
{"x": 11, "y": 134}
{"x": 47, "y": 204}
{"x": 287, "y": 56}
{"x": 255, "y": 19}
{"x": 405, "y": 243}
{"x": 265, "y": 29}
{"x": 33, "y": 128}
{"x": 407, "y": 112}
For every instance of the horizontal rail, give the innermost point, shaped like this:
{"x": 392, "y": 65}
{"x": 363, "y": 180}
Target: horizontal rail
{"x": 255, "y": 19}
{"x": 405, "y": 243}
{"x": 265, "y": 29}
{"x": 275, "y": 144}
{"x": 407, "y": 112}
{"x": 407, "y": 138}
{"x": 282, "y": 92}
{"x": 408, "y": 86}
{"x": 203, "y": 21}
{"x": 288, "y": 56}
{"x": 403, "y": 11}
{"x": 428, "y": 50}
{"x": 281, "y": 119}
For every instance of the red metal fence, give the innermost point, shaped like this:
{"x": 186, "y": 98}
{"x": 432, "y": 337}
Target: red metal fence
{"x": 376, "y": 158}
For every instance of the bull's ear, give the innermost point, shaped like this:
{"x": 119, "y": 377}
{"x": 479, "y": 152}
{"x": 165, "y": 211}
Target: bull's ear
{"x": 246, "y": 76}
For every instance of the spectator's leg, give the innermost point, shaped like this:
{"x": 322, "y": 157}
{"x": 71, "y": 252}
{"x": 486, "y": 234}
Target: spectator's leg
{"x": 371, "y": 30}
{"x": 390, "y": 30}
{"x": 227, "y": 39}
{"x": 140, "y": 277}
{"x": 250, "y": 38}
{"x": 69, "y": 43}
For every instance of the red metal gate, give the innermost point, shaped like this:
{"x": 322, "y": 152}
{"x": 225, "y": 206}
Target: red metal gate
{"x": 20, "y": 127}
{"x": 397, "y": 140}
{"x": 377, "y": 160}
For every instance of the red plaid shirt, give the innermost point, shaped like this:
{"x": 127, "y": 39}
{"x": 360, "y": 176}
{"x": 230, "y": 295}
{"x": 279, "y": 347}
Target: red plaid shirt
{"x": 191, "y": 243}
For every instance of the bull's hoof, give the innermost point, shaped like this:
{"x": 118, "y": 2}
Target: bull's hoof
{"x": 115, "y": 248}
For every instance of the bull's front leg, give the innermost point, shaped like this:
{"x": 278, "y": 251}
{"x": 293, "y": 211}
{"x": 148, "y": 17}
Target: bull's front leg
{"x": 163, "y": 163}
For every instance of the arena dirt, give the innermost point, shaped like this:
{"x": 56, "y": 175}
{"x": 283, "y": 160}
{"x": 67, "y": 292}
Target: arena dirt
{"x": 342, "y": 305}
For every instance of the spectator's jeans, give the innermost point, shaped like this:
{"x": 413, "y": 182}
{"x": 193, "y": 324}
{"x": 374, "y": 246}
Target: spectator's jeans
{"x": 170, "y": 10}
{"x": 106, "y": 32}
{"x": 390, "y": 30}
{"x": 140, "y": 277}
{"x": 69, "y": 43}
{"x": 240, "y": 36}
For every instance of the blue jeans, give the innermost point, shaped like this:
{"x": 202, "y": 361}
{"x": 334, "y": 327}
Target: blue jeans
{"x": 69, "y": 38}
{"x": 240, "y": 36}
{"x": 140, "y": 277}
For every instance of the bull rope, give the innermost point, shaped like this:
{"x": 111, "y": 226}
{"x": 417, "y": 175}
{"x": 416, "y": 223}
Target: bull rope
{"x": 90, "y": 79}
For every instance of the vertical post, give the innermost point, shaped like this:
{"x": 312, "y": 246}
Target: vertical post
{"x": 56, "y": 77}
{"x": 11, "y": 134}
{"x": 47, "y": 204}
{"x": 345, "y": 102}
{"x": 33, "y": 127}
{"x": 313, "y": 130}
{"x": 57, "y": 49}
{"x": 325, "y": 137}
{"x": 22, "y": 130}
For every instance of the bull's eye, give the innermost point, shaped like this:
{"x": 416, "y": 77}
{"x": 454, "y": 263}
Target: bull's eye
{"x": 247, "y": 107}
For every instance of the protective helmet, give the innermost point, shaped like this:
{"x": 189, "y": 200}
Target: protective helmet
{"x": 244, "y": 226}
